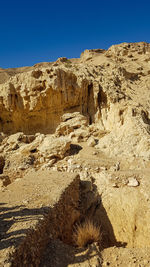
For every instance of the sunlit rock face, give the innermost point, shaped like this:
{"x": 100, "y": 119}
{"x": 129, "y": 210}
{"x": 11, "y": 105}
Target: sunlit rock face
{"x": 109, "y": 87}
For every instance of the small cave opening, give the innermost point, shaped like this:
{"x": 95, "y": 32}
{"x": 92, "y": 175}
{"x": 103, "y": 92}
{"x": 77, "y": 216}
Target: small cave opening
{"x": 90, "y": 104}
{"x": 145, "y": 117}
{"x": 16, "y": 97}
{"x": 102, "y": 98}
{"x": 2, "y": 164}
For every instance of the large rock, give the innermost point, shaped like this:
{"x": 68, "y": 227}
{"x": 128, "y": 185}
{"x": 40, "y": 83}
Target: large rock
{"x": 53, "y": 147}
{"x": 41, "y": 206}
{"x": 71, "y": 122}
{"x": 20, "y": 137}
{"x": 125, "y": 206}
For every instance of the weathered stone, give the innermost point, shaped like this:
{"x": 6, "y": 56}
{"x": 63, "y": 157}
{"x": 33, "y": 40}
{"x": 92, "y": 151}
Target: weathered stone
{"x": 4, "y": 180}
{"x": 71, "y": 122}
{"x": 53, "y": 147}
{"x": 133, "y": 182}
{"x": 54, "y": 218}
{"x": 91, "y": 142}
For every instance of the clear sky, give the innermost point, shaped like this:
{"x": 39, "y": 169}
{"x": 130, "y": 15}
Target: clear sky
{"x": 35, "y": 31}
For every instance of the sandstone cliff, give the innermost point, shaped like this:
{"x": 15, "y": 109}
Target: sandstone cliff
{"x": 111, "y": 88}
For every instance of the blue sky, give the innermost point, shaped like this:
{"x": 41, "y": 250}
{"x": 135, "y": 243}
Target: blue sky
{"x": 36, "y": 31}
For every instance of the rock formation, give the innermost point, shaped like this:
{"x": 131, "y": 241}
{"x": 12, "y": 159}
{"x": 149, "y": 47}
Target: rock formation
{"x": 110, "y": 88}
{"x": 88, "y": 116}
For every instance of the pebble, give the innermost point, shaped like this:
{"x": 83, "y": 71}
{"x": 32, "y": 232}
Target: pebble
{"x": 103, "y": 168}
{"x": 41, "y": 160}
{"x": 132, "y": 182}
{"x": 51, "y": 162}
{"x": 78, "y": 166}
{"x": 55, "y": 168}
{"x": 117, "y": 166}
{"x": 18, "y": 179}
{"x": 70, "y": 161}
{"x": 114, "y": 185}
{"x": 25, "y": 201}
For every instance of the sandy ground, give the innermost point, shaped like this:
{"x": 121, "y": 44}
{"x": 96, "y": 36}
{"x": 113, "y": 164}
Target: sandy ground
{"x": 25, "y": 201}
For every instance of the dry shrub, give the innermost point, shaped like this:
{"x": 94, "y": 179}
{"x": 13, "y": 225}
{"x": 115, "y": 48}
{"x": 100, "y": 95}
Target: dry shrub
{"x": 86, "y": 233}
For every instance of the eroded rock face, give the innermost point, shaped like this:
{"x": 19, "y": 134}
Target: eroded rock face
{"x": 23, "y": 153}
{"x": 71, "y": 122}
{"x": 88, "y": 116}
{"x": 110, "y": 88}
{"x": 34, "y": 101}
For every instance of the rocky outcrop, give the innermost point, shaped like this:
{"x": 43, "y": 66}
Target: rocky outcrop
{"x": 33, "y": 101}
{"x": 103, "y": 98}
{"x": 110, "y": 88}
{"x": 70, "y": 123}
{"x": 37, "y": 224}
{"x": 24, "y": 152}
{"x": 88, "y": 116}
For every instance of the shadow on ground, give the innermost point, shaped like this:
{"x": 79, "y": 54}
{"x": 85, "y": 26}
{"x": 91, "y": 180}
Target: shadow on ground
{"x": 74, "y": 149}
{"x": 59, "y": 254}
{"x": 58, "y": 249}
{"x": 16, "y": 214}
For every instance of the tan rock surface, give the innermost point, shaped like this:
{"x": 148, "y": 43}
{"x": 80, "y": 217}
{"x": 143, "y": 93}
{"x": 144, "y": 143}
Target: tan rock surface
{"x": 23, "y": 206}
{"x": 107, "y": 89}
{"x": 87, "y": 116}
{"x": 71, "y": 122}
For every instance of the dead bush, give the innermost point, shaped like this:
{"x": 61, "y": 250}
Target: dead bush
{"x": 86, "y": 233}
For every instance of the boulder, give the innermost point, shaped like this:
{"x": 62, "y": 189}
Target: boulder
{"x": 20, "y": 137}
{"x": 53, "y": 147}
{"x": 71, "y": 122}
{"x": 14, "y": 138}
